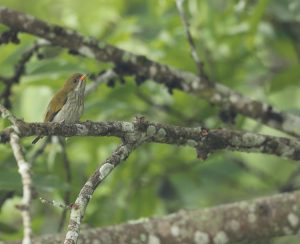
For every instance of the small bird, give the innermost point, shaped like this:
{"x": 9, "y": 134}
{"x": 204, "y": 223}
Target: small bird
{"x": 67, "y": 104}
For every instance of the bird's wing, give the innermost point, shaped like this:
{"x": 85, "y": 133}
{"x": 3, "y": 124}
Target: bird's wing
{"x": 55, "y": 105}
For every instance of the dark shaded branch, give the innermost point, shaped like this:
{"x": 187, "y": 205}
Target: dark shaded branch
{"x": 254, "y": 220}
{"x": 184, "y": 20}
{"x": 203, "y": 140}
{"x": 55, "y": 203}
{"x": 39, "y": 152}
{"x": 20, "y": 69}
{"x": 127, "y": 63}
{"x": 10, "y": 35}
{"x": 99, "y": 79}
{"x": 67, "y": 194}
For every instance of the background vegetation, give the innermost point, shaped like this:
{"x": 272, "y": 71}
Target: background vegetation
{"x": 251, "y": 46}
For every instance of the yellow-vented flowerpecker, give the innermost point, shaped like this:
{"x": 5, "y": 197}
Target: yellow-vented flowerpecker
{"x": 67, "y": 104}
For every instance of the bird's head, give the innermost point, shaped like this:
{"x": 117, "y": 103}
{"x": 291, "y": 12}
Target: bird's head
{"x": 75, "y": 83}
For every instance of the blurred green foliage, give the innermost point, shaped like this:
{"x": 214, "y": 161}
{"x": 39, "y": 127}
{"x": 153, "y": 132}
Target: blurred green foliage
{"x": 250, "y": 46}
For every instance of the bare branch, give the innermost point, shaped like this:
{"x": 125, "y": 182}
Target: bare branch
{"x": 108, "y": 75}
{"x": 199, "y": 63}
{"x": 19, "y": 71}
{"x": 78, "y": 208}
{"x": 55, "y": 204}
{"x": 35, "y": 154}
{"x": 67, "y": 193}
{"x": 203, "y": 140}
{"x": 10, "y": 35}
{"x": 7, "y": 114}
{"x": 244, "y": 221}
{"x": 24, "y": 170}
{"x": 142, "y": 68}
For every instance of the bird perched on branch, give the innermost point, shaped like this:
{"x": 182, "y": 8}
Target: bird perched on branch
{"x": 67, "y": 104}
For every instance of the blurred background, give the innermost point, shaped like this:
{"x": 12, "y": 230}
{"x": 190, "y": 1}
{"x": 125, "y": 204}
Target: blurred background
{"x": 253, "y": 47}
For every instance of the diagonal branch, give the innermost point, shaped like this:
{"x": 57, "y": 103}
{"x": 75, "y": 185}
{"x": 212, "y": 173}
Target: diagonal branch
{"x": 195, "y": 56}
{"x": 20, "y": 69}
{"x": 106, "y": 76}
{"x": 78, "y": 208}
{"x": 5, "y": 113}
{"x": 67, "y": 194}
{"x": 24, "y": 170}
{"x": 129, "y": 64}
{"x": 8, "y": 36}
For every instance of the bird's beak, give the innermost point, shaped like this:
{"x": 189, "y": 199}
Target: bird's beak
{"x": 83, "y": 77}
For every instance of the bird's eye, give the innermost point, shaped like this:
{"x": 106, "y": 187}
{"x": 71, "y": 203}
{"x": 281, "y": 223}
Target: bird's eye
{"x": 75, "y": 80}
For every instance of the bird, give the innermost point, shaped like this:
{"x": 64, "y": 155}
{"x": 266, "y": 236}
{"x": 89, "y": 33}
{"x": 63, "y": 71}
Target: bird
{"x": 67, "y": 104}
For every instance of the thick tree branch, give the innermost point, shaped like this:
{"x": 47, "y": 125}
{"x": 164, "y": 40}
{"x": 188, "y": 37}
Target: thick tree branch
{"x": 143, "y": 68}
{"x": 203, "y": 140}
{"x": 254, "y": 220}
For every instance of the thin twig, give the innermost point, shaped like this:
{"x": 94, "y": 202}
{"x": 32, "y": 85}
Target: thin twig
{"x": 20, "y": 69}
{"x": 106, "y": 76}
{"x": 67, "y": 193}
{"x": 39, "y": 151}
{"x": 7, "y": 114}
{"x": 55, "y": 204}
{"x": 24, "y": 170}
{"x": 195, "y": 56}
